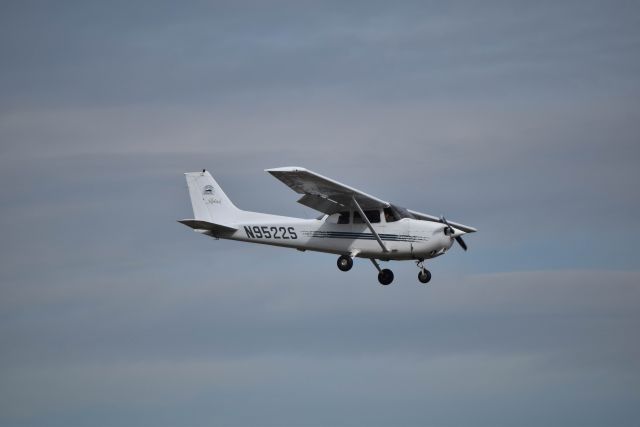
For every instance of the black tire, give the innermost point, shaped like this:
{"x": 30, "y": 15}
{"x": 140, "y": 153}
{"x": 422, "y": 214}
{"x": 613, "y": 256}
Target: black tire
{"x": 424, "y": 276}
{"x": 345, "y": 263}
{"x": 385, "y": 277}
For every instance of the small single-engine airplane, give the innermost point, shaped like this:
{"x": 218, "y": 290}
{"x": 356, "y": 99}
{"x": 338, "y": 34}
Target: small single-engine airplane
{"x": 353, "y": 224}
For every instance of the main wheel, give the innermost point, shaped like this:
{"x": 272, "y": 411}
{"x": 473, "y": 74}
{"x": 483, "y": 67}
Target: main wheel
{"x": 345, "y": 263}
{"x": 385, "y": 277}
{"x": 424, "y": 275}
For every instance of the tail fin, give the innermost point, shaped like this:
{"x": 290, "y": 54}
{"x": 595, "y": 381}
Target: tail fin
{"x": 209, "y": 202}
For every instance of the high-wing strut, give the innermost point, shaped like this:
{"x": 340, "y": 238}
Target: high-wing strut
{"x": 366, "y": 220}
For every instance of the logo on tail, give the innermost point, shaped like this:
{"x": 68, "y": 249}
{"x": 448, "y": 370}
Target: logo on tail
{"x": 208, "y": 190}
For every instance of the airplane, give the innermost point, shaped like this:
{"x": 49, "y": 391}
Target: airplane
{"x": 353, "y": 224}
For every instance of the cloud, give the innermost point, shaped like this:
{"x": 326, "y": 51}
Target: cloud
{"x": 499, "y": 336}
{"x": 520, "y": 119}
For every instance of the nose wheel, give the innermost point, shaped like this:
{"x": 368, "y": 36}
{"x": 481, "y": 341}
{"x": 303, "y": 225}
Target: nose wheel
{"x": 424, "y": 276}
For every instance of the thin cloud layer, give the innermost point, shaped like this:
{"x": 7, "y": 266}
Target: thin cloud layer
{"x": 519, "y": 118}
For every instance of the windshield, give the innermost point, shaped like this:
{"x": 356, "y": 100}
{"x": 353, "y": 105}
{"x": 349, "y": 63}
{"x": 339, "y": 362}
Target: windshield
{"x": 399, "y": 212}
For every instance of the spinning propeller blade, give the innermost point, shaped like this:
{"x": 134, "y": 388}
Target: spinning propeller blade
{"x": 461, "y": 243}
{"x": 449, "y": 231}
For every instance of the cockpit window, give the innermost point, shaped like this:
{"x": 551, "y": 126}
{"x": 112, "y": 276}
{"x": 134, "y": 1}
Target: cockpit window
{"x": 400, "y": 212}
{"x": 389, "y": 215}
{"x": 343, "y": 218}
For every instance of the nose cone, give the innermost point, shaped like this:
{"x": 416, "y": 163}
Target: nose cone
{"x": 447, "y": 231}
{"x": 447, "y": 237}
{"x": 456, "y": 236}
{"x": 457, "y": 233}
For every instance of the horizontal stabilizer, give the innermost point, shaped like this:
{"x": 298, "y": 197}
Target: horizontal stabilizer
{"x": 197, "y": 224}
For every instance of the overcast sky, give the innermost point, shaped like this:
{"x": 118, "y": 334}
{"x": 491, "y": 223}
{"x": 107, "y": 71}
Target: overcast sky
{"x": 519, "y": 118}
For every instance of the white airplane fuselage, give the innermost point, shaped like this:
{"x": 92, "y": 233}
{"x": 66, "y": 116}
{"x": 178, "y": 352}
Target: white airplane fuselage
{"x": 404, "y": 239}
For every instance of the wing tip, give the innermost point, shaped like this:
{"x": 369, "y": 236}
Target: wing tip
{"x": 287, "y": 169}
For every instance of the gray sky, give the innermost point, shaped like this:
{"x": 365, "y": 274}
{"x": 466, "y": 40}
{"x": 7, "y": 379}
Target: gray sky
{"x": 519, "y": 118}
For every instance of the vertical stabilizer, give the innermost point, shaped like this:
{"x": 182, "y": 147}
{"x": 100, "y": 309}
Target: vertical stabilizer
{"x": 208, "y": 200}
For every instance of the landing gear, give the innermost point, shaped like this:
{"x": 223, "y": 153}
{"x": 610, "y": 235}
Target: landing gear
{"x": 424, "y": 275}
{"x": 385, "y": 277}
{"x": 345, "y": 263}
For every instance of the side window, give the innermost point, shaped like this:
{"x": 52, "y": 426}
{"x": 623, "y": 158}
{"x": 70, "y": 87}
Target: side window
{"x": 343, "y": 218}
{"x": 373, "y": 216}
{"x": 389, "y": 216}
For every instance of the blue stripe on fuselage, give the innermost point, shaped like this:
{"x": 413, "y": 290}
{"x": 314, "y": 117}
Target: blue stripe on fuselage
{"x": 366, "y": 236}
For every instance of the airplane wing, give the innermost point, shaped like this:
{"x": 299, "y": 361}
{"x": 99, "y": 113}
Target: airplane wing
{"x": 426, "y": 217}
{"x": 324, "y": 194}
{"x": 328, "y": 196}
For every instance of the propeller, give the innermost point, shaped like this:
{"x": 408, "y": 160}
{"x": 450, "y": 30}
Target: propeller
{"x": 449, "y": 231}
{"x": 461, "y": 242}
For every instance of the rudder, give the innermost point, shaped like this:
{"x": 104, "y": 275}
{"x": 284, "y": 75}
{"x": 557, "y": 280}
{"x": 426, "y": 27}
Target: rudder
{"x": 208, "y": 201}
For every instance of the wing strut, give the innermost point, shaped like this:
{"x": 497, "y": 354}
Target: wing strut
{"x": 364, "y": 217}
